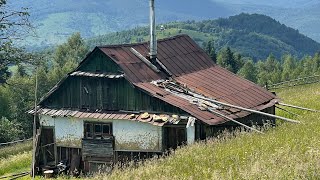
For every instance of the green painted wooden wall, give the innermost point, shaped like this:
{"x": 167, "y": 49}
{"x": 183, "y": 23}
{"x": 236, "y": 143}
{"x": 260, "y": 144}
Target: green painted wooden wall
{"x": 78, "y": 92}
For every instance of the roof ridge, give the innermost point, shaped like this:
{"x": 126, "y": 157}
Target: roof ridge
{"x": 140, "y": 43}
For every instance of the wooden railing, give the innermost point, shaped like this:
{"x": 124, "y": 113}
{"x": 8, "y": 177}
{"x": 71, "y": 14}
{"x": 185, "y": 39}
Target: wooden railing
{"x": 295, "y": 82}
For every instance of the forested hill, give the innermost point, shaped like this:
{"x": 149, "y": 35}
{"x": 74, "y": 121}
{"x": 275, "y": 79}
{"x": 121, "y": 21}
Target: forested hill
{"x": 251, "y": 35}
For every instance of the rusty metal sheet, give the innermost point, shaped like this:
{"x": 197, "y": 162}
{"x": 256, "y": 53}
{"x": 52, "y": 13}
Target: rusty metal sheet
{"x": 107, "y": 116}
{"x": 91, "y": 115}
{"x": 102, "y": 115}
{"x": 101, "y": 75}
{"x": 112, "y": 116}
{"x": 117, "y": 116}
{"x": 96, "y": 115}
{"x": 78, "y": 114}
{"x": 84, "y": 114}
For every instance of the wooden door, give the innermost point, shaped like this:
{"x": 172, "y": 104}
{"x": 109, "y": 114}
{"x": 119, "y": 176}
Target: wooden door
{"x": 174, "y": 137}
{"x": 47, "y": 146}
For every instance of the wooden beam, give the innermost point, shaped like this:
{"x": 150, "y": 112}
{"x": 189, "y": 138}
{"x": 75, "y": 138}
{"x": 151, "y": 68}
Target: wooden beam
{"x": 242, "y": 108}
{"x": 164, "y": 67}
{"x": 142, "y": 58}
{"x": 237, "y": 122}
{"x": 297, "y": 107}
{"x": 287, "y": 111}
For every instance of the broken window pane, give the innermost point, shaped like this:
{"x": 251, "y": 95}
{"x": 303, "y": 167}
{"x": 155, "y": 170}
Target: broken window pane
{"x": 97, "y": 131}
{"x": 88, "y": 131}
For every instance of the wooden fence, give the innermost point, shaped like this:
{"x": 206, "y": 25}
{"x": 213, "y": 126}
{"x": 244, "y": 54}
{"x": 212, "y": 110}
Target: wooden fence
{"x": 295, "y": 82}
{"x": 14, "y": 142}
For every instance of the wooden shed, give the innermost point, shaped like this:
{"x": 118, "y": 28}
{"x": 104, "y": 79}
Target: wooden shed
{"x": 118, "y": 105}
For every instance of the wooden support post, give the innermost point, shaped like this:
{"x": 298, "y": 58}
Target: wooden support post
{"x": 34, "y": 127}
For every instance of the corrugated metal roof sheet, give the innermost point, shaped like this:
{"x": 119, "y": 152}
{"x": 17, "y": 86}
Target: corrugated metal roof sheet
{"x": 191, "y": 66}
{"x": 180, "y": 54}
{"x": 101, "y": 75}
{"x": 115, "y": 115}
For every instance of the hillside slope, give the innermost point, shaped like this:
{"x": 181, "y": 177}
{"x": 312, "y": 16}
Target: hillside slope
{"x": 299, "y": 14}
{"x": 252, "y": 35}
{"x": 56, "y": 20}
{"x": 289, "y": 151}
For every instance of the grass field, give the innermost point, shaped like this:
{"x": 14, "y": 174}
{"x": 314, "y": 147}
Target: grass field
{"x": 288, "y": 151}
{"x": 15, "y": 158}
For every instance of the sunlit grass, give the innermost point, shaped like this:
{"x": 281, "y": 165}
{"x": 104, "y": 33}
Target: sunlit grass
{"x": 15, "y": 149}
{"x": 289, "y": 151}
{"x": 16, "y": 163}
{"x": 15, "y": 158}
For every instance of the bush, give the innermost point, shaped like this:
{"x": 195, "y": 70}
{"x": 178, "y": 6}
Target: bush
{"x": 9, "y": 130}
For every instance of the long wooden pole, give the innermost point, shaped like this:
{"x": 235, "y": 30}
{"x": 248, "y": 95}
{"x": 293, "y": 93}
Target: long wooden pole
{"x": 34, "y": 125}
{"x": 297, "y": 107}
{"x": 242, "y": 108}
{"x": 237, "y": 122}
{"x": 287, "y": 111}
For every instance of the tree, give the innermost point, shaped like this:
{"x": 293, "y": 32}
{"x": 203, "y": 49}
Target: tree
{"x": 210, "y": 50}
{"x": 67, "y": 56}
{"x": 248, "y": 71}
{"x": 14, "y": 24}
{"x": 9, "y": 131}
{"x": 21, "y": 93}
{"x": 226, "y": 59}
{"x": 288, "y": 67}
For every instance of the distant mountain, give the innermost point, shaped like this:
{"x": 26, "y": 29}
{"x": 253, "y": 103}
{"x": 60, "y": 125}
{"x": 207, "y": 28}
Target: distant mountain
{"x": 58, "y": 19}
{"x": 252, "y": 35}
{"x": 303, "y": 15}
{"x": 55, "y": 20}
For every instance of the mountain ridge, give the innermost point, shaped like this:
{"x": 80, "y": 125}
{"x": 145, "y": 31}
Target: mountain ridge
{"x": 57, "y": 20}
{"x": 251, "y": 35}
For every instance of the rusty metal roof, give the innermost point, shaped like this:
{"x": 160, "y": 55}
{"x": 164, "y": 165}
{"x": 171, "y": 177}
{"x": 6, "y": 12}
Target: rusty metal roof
{"x": 180, "y": 54}
{"x": 191, "y": 66}
{"x": 194, "y": 110}
{"x": 101, "y": 75}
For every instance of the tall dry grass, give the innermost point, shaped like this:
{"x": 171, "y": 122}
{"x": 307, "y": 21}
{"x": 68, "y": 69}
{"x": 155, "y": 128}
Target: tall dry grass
{"x": 15, "y": 158}
{"x": 288, "y": 151}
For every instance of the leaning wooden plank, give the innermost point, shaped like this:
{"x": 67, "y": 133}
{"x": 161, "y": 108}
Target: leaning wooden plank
{"x": 287, "y": 111}
{"x": 297, "y": 107}
{"x": 142, "y": 58}
{"x": 242, "y": 108}
{"x": 237, "y": 122}
{"x": 163, "y": 67}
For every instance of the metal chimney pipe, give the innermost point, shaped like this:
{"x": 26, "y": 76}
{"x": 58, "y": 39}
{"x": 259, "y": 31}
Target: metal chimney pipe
{"x": 153, "y": 39}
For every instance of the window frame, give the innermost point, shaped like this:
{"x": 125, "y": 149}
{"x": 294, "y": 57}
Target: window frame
{"x": 99, "y": 134}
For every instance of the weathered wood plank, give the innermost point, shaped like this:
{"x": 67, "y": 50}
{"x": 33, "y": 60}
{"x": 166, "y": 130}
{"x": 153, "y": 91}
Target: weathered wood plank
{"x": 100, "y": 148}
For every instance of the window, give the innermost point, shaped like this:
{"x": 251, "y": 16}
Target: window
{"x": 97, "y": 130}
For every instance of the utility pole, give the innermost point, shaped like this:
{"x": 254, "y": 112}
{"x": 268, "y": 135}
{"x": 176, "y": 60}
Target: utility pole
{"x": 34, "y": 125}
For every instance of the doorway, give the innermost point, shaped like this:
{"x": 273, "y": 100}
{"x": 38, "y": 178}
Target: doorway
{"x": 47, "y": 146}
{"x": 174, "y": 137}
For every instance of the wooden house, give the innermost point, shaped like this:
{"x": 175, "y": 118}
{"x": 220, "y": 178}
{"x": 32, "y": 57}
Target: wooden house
{"x": 119, "y": 105}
